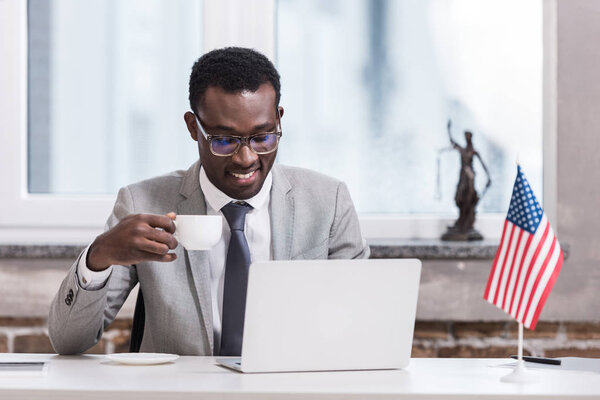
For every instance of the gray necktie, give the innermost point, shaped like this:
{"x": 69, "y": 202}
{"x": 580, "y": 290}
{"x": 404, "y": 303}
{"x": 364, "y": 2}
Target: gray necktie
{"x": 236, "y": 280}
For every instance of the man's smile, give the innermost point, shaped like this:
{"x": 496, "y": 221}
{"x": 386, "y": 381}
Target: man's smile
{"x": 244, "y": 178}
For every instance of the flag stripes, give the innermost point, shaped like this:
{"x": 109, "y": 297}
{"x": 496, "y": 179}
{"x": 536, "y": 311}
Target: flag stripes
{"x": 518, "y": 276}
{"x": 546, "y": 291}
{"x": 510, "y": 280}
{"x": 526, "y": 284}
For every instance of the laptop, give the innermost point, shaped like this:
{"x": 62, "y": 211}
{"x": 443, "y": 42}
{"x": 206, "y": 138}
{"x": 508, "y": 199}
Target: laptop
{"x": 326, "y": 315}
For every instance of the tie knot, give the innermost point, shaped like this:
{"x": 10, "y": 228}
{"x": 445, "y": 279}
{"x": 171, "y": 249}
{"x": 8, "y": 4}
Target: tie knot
{"x": 235, "y": 214}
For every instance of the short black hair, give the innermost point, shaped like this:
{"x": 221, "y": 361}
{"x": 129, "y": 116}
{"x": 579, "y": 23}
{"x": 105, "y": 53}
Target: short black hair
{"x": 234, "y": 69}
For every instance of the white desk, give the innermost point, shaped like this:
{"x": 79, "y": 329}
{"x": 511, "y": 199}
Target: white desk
{"x": 94, "y": 377}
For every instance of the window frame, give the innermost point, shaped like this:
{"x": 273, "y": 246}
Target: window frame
{"x": 58, "y": 219}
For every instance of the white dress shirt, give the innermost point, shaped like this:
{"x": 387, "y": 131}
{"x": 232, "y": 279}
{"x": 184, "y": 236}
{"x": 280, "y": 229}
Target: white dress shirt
{"x": 258, "y": 234}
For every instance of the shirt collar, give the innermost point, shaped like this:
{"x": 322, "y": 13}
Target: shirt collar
{"x": 216, "y": 199}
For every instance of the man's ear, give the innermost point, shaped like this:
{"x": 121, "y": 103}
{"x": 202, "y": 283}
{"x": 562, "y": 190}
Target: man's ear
{"x": 280, "y": 109}
{"x": 192, "y": 126}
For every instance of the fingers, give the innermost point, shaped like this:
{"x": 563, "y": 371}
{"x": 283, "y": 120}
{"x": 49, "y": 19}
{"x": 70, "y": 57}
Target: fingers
{"x": 144, "y": 256}
{"x": 160, "y": 221}
{"x": 149, "y": 250}
{"x": 151, "y": 246}
{"x": 136, "y": 238}
{"x": 161, "y": 237}
{"x": 168, "y": 257}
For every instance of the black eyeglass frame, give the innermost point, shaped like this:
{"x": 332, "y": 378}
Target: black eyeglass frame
{"x": 241, "y": 139}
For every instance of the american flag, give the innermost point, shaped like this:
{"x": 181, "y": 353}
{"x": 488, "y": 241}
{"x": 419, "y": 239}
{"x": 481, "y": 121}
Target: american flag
{"x": 528, "y": 260}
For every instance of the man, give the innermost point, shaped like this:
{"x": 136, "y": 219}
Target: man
{"x": 194, "y": 300}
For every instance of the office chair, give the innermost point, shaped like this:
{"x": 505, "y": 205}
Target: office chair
{"x": 137, "y": 327}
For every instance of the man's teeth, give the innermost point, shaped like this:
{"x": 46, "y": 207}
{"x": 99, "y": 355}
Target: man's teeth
{"x": 243, "y": 176}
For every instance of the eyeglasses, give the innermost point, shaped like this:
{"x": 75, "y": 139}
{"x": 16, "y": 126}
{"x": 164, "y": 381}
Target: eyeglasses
{"x": 228, "y": 145}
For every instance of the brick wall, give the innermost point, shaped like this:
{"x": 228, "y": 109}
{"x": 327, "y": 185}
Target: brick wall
{"x": 30, "y": 335}
{"x": 499, "y": 339}
{"x": 432, "y": 338}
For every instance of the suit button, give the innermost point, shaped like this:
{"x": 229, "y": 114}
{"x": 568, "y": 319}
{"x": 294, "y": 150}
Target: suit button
{"x": 68, "y": 301}
{"x": 71, "y": 292}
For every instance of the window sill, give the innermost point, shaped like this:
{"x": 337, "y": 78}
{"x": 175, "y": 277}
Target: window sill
{"x": 435, "y": 249}
{"x": 383, "y": 248}
{"x": 35, "y": 251}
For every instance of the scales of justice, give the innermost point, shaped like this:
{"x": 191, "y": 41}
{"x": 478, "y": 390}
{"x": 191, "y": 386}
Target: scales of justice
{"x": 466, "y": 197}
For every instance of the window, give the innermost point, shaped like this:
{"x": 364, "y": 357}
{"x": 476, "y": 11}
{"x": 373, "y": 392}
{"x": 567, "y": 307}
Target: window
{"x": 94, "y": 93}
{"x": 64, "y": 154}
{"x": 107, "y": 92}
{"x": 369, "y": 86}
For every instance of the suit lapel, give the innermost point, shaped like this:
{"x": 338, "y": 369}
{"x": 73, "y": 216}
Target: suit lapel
{"x": 197, "y": 261}
{"x": 282, "y": 215}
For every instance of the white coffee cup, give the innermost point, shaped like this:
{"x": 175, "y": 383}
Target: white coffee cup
{"x": 198, "y": 232}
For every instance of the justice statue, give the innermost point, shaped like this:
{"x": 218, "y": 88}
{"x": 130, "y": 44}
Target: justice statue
{"x": 466, "y": 197}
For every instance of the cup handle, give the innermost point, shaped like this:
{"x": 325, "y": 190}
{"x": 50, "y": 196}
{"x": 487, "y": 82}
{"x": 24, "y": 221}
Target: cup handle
{"x": 175, "y": 231}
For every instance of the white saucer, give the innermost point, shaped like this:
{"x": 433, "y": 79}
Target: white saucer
{"x": 142, "y": 358}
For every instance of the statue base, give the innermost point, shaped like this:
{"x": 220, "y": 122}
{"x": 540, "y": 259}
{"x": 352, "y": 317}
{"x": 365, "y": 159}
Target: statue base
{"x": 457, "y": 235}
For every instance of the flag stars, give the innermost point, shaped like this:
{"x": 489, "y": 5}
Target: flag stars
{"x": 524, "y": 209}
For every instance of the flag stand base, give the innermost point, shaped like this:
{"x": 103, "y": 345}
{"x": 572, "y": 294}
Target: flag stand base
{"x": 520, "y": 375}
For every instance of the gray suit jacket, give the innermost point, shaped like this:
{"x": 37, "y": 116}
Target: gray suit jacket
{"x": 312, "y": 216}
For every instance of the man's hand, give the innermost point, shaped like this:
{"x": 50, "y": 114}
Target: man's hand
{"x": 133, "y": 240}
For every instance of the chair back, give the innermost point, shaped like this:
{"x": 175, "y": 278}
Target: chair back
{"x": 137, "y": 328}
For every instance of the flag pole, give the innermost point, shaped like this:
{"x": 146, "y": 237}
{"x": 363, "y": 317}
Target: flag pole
{"x": 520, "y": 349}
{"x": 520, "y": 374}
